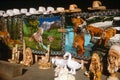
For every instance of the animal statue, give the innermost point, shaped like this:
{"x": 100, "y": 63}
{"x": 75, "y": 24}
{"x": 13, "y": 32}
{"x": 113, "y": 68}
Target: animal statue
{"x": 78, "y": 43}
{"x": 78, "y": 24}
{"x": 28, "y": 61}
{"x": 94, "y": 31}
{"x": 106, "y": 35}
{"x": 71, "y": 63}
{"x": 113, "y": 61}
{"x": 63, "y": 74}
{"x": 95, "y": 67}
{"x": 5, "y": 36}
{"x": 59, "y": 62}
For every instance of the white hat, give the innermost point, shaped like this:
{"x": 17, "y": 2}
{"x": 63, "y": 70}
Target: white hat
{"x": 41, "y": 9}
{"x": 50, "y": 10}
{"x": 16, "y": 12}
{"x": 28, "y": 14}
{"x": 33, "y": 11}
{"x": 9, "y": 12}
{"x": 5, "y": 15}
{"x": 60, "y": 9}
{"x": 23, "y": 11}
{"x": 1, "y": 12}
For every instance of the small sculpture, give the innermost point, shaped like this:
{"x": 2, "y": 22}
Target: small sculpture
{"x": 95, "y": 67}
{"x": 94, "y": 31}
{"x": 28, "y": 61}
{"x": 72, "y": 64}
{"x": 113, "y": 61}
{"x": 97, "y": 5}
{"x": 15, "y": 55}
{"x": 106, "y": 35}
{"x": 44, "y": 61}
{"x": 27, "y": 56}
{"x": 59, "y": 62}
{"x": 63, "y": 74}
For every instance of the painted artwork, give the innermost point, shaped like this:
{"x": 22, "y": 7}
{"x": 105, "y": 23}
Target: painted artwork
{"x": 43, "y": 31}
{"x": 90, "y": 42}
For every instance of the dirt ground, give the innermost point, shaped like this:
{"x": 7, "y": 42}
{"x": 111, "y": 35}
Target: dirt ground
{"x": 34, "y": 73}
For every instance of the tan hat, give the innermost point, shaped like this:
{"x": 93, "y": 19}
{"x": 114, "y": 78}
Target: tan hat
{"x": 97, "y": 5}
{"x": 60, "y": 9}
{"x": 74, "y": 8}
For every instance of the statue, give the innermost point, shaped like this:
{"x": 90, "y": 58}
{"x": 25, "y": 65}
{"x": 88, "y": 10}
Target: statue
{"x": 44, "y": 61}
{"x": 113, "y": 61}
{"x": 15, "y": 55}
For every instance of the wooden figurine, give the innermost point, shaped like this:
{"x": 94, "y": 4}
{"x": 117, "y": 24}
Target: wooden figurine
{"x": 15, "y": 55}
{"x": 113, "y": 62}
{"x": 95, "y": 67}
{"x": 97, "y": 5}
{"x": 44, "y": 61}
{"x": 27, "y": 56}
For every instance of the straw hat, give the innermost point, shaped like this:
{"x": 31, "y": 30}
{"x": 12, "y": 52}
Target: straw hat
{"x": 41, "y": 9}
{"x": 74, "y": 8}
{"x": 9, "y": 12}
{"x": 60, "y": 9}
{"x": 16, "y": 12}
{"x": 97, "y": 5}
{"x": 1, "y": 12}
{"x": 23, "y": 10}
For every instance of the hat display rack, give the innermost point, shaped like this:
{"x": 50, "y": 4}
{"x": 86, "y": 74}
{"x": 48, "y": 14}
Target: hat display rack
{"x": 14, "y": 17}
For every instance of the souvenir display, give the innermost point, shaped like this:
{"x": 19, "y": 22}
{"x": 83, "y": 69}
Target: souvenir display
{"x": 65, "y": 41}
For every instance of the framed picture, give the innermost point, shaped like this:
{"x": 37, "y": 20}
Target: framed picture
{"x": 41, "y": 31}
{"x": 99, "y": 19}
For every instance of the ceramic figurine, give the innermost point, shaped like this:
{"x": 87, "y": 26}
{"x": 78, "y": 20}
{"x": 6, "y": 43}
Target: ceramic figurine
{"x": 63, "y": 74}
{"x": 15, "y": 55}
{"x": 106, "y": 35}
{"x": 72, "y": 64}
{"x": 97, "y": 5}
{"x": 113, "y": 61}
{"x": 44, "y": 61}
{"x": 94, "y": 31}
{"x": 95, "y": 67}
{"x": 59, "y": 62}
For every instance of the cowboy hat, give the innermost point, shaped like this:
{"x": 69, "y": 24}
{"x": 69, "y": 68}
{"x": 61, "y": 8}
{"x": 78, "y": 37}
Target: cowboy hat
{"x": 33, "y": 11}
{"x": 41, "y": 9}
{"x": 74, "y": 8}
{"x": 60, "y": 9}
{"x": 16, "y": 12}
{"x": 9, "y": 12}
{"x": 23, "y": 10}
